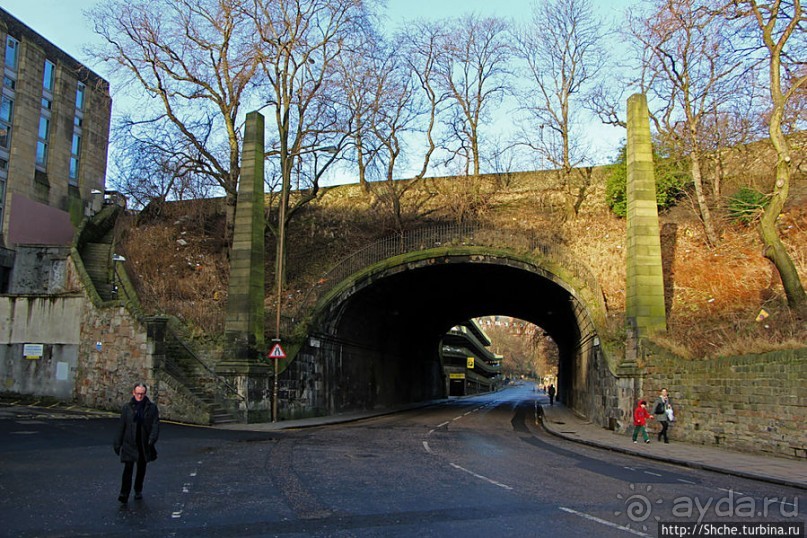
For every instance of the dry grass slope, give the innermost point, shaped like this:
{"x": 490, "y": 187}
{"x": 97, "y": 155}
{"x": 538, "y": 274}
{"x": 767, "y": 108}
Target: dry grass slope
{"x": 714, "y": 296}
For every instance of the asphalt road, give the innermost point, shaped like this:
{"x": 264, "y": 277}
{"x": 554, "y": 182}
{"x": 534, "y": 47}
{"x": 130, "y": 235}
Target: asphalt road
{"x": 470, "y": 467}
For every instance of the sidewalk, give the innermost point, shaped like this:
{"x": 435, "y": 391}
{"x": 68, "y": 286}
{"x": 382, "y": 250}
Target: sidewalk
{"x": 560, "y": 421}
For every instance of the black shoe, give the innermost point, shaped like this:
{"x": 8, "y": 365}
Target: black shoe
{"x": 138, "y": 495}
{"x": 123, "y": 498}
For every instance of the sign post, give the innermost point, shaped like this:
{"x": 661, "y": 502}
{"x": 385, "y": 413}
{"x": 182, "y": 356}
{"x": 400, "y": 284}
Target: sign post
{"x": 275, "y": 354}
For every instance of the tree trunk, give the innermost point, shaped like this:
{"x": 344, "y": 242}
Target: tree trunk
{"x": 229, "y": 219}
{"x": 703, "y": 203}
{"x": 776, "y": 252}
{"x": 774, "y": 249}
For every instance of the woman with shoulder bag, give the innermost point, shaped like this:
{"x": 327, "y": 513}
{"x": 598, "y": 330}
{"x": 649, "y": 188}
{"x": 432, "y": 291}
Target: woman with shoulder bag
{"x": 663, "y": 412}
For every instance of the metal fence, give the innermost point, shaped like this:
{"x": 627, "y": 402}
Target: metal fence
{"x": 447, "y": 235}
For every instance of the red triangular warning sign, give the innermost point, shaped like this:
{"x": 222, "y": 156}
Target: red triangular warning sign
{"x": 277, "y": 352}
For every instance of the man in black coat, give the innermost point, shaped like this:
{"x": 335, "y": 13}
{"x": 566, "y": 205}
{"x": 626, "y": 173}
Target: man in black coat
{"x": 138, "y": 430}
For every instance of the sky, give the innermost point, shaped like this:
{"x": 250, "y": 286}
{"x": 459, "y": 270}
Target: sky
{"x": 62, "y": 23}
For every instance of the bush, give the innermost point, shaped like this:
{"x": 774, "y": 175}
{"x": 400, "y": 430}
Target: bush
{"x": 671, "y": 183}
{"x": 746, "y": 204}
{"x": 616, "y": 189}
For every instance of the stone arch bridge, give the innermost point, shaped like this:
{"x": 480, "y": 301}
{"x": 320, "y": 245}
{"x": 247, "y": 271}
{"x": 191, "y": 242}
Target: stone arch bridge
{"x": 368, "y": 335}
{"x": 375, "y": 321}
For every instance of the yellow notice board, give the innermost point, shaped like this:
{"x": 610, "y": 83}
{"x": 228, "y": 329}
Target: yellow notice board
{"x": 470, "y": 363}
{"x": 456, "y": 376}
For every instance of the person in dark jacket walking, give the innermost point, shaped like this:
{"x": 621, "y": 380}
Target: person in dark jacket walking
{"x": 138, "y": 430}
{"x": 660, "y": 410}
{"x": 551, "y": 392}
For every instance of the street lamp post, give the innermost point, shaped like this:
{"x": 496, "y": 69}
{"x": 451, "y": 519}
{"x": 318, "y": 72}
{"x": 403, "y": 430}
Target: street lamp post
{"x": 281, "y": 246}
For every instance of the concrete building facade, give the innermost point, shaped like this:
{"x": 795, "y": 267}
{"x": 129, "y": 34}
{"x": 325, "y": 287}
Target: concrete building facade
{"x": 54, "y": 135}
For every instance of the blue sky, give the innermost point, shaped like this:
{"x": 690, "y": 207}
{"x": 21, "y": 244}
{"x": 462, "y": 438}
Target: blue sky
{"x": 62, "y": 22}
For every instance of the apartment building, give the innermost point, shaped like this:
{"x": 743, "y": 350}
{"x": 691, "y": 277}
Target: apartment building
{"x": 54, "y": 135}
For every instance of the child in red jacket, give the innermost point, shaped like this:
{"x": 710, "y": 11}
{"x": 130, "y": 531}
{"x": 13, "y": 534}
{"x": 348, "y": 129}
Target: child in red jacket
{"x": 640, "y": 416}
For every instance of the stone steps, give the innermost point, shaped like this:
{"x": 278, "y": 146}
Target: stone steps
{"x": 184, "y": 366}
{"x": 97, "y": 260}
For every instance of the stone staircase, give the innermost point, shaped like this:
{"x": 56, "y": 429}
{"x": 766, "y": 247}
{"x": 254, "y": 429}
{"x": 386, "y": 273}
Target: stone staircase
{"x": 96, "y": 251}
{"x": 97, "y": 258}
{"x": 183, "y": 364}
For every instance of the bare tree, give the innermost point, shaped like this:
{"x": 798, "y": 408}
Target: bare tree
{"x": 472, "y": 70}
{"x": 780, "y": 27}
{"x": 691, "y": 72}
{"x": 360, "y": 73}
{"x": 398, "y": 109}
{"x": 299, "y": 43}
{"x": 154, "y": 166}
{"x": 561, "y": 47}
{"x": 195, "y": 59}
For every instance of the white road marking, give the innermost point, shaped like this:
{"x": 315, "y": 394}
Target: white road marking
{"x": 426, "y": 446}
{"x": 446, "y": 423}
{"x": 604, "y": 522}
{"x": 650, "y": 473}
{"x": 479, "y": 476}
{"x": 686, "y": 481}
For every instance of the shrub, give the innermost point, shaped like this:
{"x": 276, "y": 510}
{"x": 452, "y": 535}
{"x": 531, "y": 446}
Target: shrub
{"x": 746, "y": 204}
{"x": 616, "y": 188}
{"x": 671, "y": 183}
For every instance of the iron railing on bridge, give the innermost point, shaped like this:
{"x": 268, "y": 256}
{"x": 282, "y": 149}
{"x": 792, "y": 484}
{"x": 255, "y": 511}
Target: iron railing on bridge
{"x": 446, "y": 235}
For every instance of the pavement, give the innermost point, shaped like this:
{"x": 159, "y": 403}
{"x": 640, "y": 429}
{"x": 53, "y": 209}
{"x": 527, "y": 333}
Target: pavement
{"x": 562, "y": 422}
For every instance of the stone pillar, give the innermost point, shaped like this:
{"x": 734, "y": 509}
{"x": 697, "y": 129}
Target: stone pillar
{"x": 645, "y": 281}
{"x": 244, "y": 325}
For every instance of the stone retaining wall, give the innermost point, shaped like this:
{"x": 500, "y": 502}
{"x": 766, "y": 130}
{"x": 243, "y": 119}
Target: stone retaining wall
{"x": 754, "y": 403}
{"x": 114, "y": 354}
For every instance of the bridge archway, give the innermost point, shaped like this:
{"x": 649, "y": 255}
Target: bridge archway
{"x": 375, "y": 334}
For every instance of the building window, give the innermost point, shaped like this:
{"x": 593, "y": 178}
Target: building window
{"x": 12, "y": 53}
{"x": 80, "y": 89}
{"x": 6, "y": 113}
{"x": 49, "y": 77}
{"x": 42, "y": 142}
{"x": 75, "y": 153}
